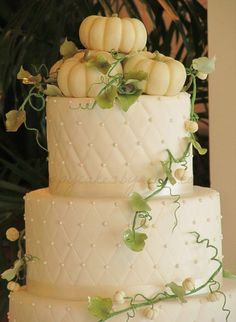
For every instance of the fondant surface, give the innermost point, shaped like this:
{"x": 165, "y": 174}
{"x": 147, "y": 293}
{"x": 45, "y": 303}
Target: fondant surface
{"x": 110, "y": 152}
{"x": 78, "y": 243}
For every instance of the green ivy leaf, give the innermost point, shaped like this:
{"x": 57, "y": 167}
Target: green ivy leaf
{"x": 52, "y": 90}
{"x": 68, "y": 49}
{"x": 107, "y": 97}
{"x": 138, "y": 203}
{"x": 126, "y": 100}
{"x": 228, "y": 274}
{"x": 133, "y": 240}
{"x": 178, "y": 290}
{"x": 197, "y": 146}
{"x": 168, "y": 172}
{"x": 100, "y": 307}
{"x": 27, "y": 78}
{"x": 98, "y": 61}
{"x": 204, "y": 65}
{"x": 8, "y": 274}
{"x": 14, "y": 119}
{"x": 135, "y": 75}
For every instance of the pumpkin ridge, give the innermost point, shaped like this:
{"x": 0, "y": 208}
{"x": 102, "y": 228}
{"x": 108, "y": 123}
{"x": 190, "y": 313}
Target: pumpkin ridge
{"x": 135, "y": 33}
{"x": 104, "y": 34}
{"x": 90, "y": 30}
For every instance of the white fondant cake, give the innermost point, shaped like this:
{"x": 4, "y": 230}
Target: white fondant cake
{"x": 75, "y": 228}
{"x": 102, "y": 153}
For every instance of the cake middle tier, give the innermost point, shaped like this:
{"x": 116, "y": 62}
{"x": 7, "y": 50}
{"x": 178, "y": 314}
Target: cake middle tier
{"x": 103, "y": 153}
{"x": 79, "y": 249}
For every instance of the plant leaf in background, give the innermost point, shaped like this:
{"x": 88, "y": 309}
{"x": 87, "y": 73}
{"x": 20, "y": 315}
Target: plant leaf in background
{"x": 27, "y": 78}
{"x": 134, "y": 240}
{"x": 14, "y": 119}
{"x": 100, "y": 307}
{"x": 138, "y": 203}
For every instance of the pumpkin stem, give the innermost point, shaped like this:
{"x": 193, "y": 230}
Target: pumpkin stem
{"x": 115, "y": 15}
{"x": 86, "y": 56}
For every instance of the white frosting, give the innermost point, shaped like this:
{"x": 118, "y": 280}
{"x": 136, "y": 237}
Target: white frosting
{"x": 110, "y": 152}
{"x": 78, "y": 242}
{"x": 25, "y": 307}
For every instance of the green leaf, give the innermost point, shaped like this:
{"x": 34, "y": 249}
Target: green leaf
{"x": 133, "y": 240}
{"x": 27, "y": 78}
{"x": 100, "y": 307}
{"x": 178, "y": 290}
{"x": 168, "y": 172}
{"x": 8, "y": 274}
{"x": 197, "y": 146}
{"x": 107, "y": 97}
{"x": 228, "y": 274}
{"x": 204, "y": 64}
{"x": 68, "y": 49}
{"x": 135, "y": 75}
{"x": 14, "y": 119}
{"x": 126, "y": 100}
{"x": 98, "y": 61}
{"x": 138, "y": 203}
{"x": 52, "y": 90}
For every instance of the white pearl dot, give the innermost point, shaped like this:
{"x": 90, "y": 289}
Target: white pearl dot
{"x": 61, "y": 123}
{"x": 80, "y": 224}
{"x": 93, "y": 203}
{"x": 82, "y": 265}
{"x": 70, "y": 143}
{"x": 105, "y": 223}
{"x": 60, "y": 222}
{"x": 53, "y": 202}
{"x": 54, "y": 101}
{"x": 68, "y": 309}
{"x": 56, "y": 144}
{"x": 118, "y": 245}
{"x": 150, "y": 119}
{"x": 171, "y": 120}
{"x": 102, "y": 124}
{"x": 45, "y": 263}
{"x": 37, "y": 242}
{"x": 33, "y": 304}
{"x": 49, "y": 306}
{"x": 115, "y": 145}
{"x": 70, "y": 203}
{"x": 38, "y": 200}
{"x": 106, "y": 266}
{"x": 103, "y": 165}
{"x": 70, "y": 244}
{"x": 90, "y": 144}
{"x": 79, "y": 122}
{"x": 81, "y": 164}
{"x": 44, "y": 221}
{"x": 52, "y": 243}
{"x": 62, "y": 162}
{"x": 62, "y": 264}
{"x": 31, "y": 219}
{"x": 176, "y": 265}
{"x": 92, "y": 245}
{"x": 131, "y": 266}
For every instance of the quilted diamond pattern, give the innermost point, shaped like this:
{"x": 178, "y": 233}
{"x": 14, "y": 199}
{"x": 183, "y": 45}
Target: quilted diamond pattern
{"x": 80, "y": 249}
{"x": 110, "y": 146}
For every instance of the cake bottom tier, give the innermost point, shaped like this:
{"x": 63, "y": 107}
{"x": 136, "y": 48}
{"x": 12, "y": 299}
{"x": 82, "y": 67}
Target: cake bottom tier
{"x": 25, "y": 307}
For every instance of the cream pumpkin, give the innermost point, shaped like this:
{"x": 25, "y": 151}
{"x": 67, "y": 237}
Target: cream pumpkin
{"x": 165, "y": 75}
{"x": 76, "y": 79}
{"x": 107, "y": 33}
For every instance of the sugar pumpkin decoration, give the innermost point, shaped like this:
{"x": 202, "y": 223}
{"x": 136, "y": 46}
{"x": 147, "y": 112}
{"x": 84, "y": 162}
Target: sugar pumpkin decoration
{"x": 106, "y": 33}
{"x": 166, "y": 76}
{"x": 77, "y": 77}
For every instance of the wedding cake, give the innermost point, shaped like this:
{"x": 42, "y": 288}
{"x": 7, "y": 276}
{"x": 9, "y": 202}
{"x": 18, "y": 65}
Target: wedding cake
{"x": 121, "y": 232}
